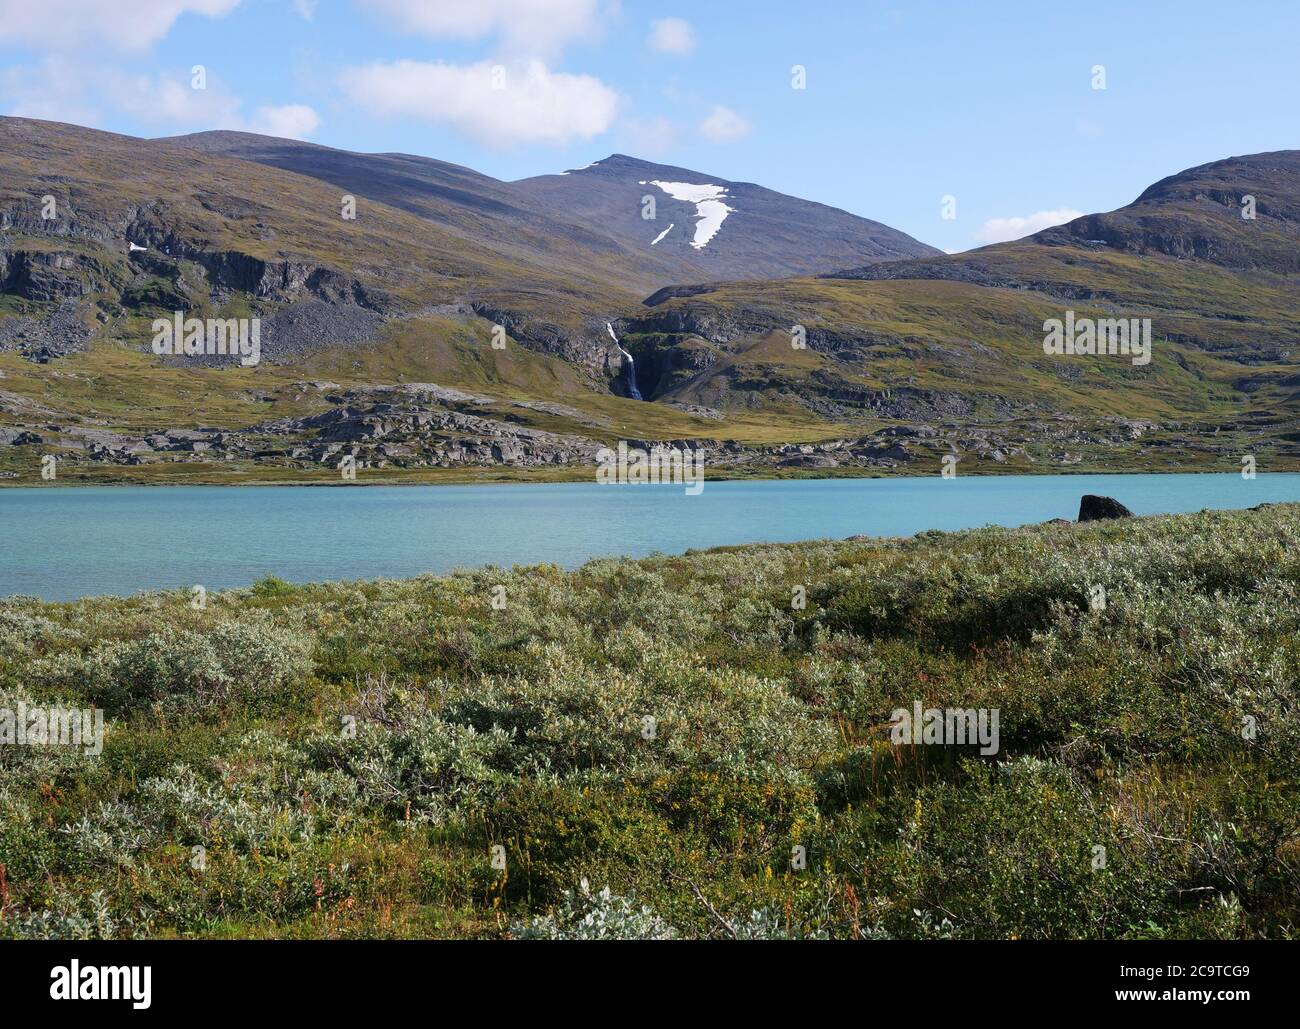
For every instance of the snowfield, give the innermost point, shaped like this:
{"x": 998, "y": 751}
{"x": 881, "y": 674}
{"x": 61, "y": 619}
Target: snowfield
{"x": 709, "y": 208}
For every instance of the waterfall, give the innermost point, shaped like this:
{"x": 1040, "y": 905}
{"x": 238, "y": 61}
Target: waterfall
{"x": 631, "y": 375}
{"x": 631, "y": 365}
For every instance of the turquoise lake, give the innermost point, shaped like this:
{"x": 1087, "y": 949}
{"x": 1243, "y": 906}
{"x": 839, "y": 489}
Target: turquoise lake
{"x": 62, "y": 543}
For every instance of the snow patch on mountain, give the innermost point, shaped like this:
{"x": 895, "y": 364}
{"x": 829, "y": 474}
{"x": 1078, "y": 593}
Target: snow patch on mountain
{"x": 583, "y": 168}
{"x": 709, "y": 208}
{"x": 659, "y": 238}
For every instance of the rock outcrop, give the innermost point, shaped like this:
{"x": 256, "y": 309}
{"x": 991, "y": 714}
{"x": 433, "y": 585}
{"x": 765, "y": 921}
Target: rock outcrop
{"x": 1095, "y": 509}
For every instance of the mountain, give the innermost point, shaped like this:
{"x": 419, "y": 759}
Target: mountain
{"x": 958, "y": 340}
{"x": 140, "y": 224}
{"x": 1241, "y": 213}
{"x": 260, "y": 217}
{"x": 714, "y": 228}
{"x": 1213, "y": 280}
{"x": 458, "y": 200}
{"x": 704, "y": 227}
{"x": 459, "y": 322}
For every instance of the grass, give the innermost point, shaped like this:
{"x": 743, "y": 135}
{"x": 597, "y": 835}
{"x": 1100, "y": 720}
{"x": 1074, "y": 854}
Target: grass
{"x": 648, "y": 741}
{"x": 957, "y": 345}
{"x": 985, "y": 344}
{"x": 113, "y": 386}
{"x": 226, "y": 205}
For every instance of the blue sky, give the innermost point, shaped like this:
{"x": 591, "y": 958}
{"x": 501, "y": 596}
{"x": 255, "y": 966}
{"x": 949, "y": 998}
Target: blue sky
{"x": 990, "y": 103}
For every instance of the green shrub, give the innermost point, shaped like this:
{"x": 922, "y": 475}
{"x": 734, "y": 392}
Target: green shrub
{"x": 347, "y": 756}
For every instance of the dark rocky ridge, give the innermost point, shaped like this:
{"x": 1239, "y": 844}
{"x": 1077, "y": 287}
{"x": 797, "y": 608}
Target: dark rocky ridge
{"x": 595, "y": 210}
{"x": 768, "y": 234}
{"x": 1193, "y": 215}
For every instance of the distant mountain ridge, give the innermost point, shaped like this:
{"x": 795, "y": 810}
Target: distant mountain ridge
{"x": 765, "y": 234}
{"x": 958, "y": 339}
{"x": 460, "y": 320}
{"x": 1241, "y": 213}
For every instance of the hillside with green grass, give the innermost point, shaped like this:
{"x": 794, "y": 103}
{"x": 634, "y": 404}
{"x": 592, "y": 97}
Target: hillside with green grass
{"x": 211, "y": 224}
{"x": 345, "y": 760}
{"x": 460, "y": 327}
{"x": 957, "y": 340}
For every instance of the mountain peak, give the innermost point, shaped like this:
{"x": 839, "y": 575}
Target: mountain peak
{"x": 700, "y": 227}
{"x": 710, "y": 227}
{"x": 621, "y": 163}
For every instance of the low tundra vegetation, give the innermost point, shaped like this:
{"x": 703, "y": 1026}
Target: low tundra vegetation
{"x": 675, "y": 748}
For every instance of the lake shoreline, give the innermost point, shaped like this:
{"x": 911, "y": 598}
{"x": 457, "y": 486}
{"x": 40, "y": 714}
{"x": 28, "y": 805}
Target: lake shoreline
{"x": 63, "y": 543}
{"x": 490, "y": 477}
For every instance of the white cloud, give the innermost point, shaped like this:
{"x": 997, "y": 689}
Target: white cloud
{"x": 68, "y": 89}
{"x": 70, "y": 86}
{"x": 535, "y": 105}
{"x": 723, "y": 125}
{"x": 161, "y": 100}
{"x": 1001, "y": 230}
{"x": 305, "y": 9}
{"x": 132, "y": 25}
{"x": 52, "y": 91}
{"x": 290, "y": 121}
{"x": 525, "y": 26}
{"x": 63, "y": 89}
{"x": 672, "y": 36}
